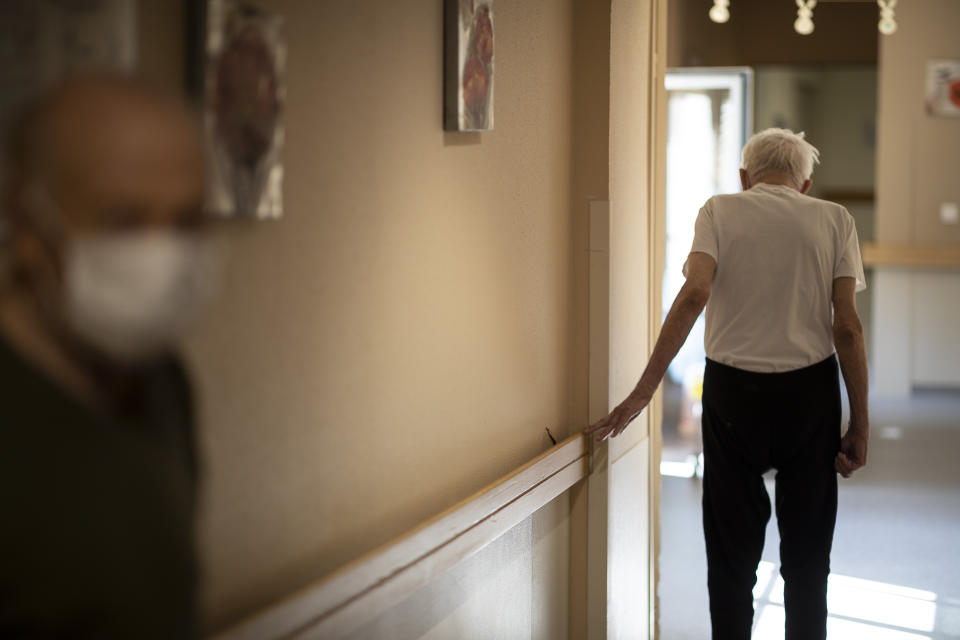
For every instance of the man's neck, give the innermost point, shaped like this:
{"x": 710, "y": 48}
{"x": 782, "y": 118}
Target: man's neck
{"x": 780, "y": 181}
{"x": 30, "y": 332}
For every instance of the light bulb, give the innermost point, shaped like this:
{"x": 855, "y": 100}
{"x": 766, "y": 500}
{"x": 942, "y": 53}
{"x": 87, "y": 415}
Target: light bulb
{"x": 888, "y": 23}
{"x": 719, "y": 13}
{"x": 804, "y": 22}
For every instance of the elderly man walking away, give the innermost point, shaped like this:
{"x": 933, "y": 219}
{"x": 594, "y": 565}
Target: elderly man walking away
{"x": 106, "y": 246}
{"x": 778, "y": 272}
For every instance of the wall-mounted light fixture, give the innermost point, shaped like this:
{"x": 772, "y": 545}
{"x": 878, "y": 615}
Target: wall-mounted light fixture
{"x": 720, "y": 13}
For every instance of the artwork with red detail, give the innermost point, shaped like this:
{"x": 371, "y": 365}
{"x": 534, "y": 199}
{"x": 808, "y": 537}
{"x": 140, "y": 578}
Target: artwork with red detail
{"x": 954, "y": 91}
{"x": 943, "y": 87}
{"x": 469, "y": 52}
{"x": 244, "y": 106}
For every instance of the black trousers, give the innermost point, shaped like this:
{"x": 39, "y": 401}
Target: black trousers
{"x": 754, "y": 422}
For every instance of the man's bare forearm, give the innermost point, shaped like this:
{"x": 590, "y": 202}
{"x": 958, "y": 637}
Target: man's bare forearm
{"x": 676, "y": 327}
{"x": 852, "y": 353}
{"x": 693, "y": 296}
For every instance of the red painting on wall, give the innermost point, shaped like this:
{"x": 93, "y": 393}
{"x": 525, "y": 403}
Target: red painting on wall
{"x": 943, "y": 87}
{"x": 469, "y": 60}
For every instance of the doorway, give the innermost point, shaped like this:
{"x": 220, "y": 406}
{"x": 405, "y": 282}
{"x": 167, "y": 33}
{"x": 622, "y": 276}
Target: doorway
{"x": 709, "y": 117}
{"x": 894, "y": 553}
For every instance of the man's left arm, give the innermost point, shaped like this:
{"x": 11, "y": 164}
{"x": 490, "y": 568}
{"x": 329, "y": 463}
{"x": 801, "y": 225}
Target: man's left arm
{"x": 691, "y": 300}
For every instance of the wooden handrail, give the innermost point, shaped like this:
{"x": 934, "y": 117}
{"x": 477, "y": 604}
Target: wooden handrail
{"x": 381, "y": 579}
{"x": 886, "y": 255}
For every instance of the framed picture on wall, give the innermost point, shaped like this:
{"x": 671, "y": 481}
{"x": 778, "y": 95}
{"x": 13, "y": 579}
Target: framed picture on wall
{"x": 943, "y": 87}
{"x": 243, "y": 96}
{"x": 468, "y": 65}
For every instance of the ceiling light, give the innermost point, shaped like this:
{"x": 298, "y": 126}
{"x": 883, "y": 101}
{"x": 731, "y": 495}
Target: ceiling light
{"x": 804, "y": 22}
{"x": 888, "y": 23}
{"x": 719, "y": 12}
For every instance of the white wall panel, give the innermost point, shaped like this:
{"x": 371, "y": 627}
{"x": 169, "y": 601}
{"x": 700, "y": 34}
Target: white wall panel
{"x": 936, "y": 321}
{"x": 629, "y": 540}
{"x": 890, "y": 361}
{"x": 514, "y": 589}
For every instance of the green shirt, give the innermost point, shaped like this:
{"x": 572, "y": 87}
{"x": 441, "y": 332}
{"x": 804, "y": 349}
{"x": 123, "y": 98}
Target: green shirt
{"x": 96, "y": 512}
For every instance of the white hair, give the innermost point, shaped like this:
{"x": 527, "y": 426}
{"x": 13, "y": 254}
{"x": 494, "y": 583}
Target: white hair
{"x": 779, "y": 152}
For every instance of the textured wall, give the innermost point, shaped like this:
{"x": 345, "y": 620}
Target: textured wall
{"x": 406, "y": 331}
{"x": 632, "y": 98}
{"x": 590, "y": 182}
{"x": 918, "y": 156}
{"x": 918, "y": 161}
{"x": 400, "y": 337}
{"x": 629, "y": 197}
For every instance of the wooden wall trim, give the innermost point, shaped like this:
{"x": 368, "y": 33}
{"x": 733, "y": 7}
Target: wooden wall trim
{"x": 381, "y": 579}
{"x": 885, "y": 255}
{"x": 657, "y": 250}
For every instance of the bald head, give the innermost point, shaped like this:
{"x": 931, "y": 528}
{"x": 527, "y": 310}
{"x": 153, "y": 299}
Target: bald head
{"x": 110, "y": 153}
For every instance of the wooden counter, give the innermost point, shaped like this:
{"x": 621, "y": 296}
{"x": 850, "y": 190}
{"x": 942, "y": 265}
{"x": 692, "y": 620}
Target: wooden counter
{"x": 888, "y": 255}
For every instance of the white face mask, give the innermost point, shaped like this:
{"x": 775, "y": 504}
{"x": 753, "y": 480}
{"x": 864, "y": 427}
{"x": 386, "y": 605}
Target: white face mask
{"x": 132, "y": 295}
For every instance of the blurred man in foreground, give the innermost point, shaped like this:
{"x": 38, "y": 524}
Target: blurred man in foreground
{"x": 780, "y": 271}
{"x": 108, "y": 258}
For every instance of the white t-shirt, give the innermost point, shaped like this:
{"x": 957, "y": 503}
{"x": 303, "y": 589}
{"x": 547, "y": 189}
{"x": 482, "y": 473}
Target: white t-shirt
{"x": 778, "y": 253}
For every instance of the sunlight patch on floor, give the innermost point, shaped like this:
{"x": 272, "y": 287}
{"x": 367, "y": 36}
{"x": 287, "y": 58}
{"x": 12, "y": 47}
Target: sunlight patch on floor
{"x": 859, "y": 609}
{"x": 687, "y": 468}
{"x": 770, "y": 627}
{"x": 677, "y": 469}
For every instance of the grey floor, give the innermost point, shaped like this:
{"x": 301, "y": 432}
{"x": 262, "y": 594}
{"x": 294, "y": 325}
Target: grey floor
{"x": 896, "y": 554}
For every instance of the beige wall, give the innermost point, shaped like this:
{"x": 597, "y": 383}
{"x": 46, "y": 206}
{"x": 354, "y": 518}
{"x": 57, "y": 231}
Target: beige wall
{"x": 589, "y": 182}
{"x": 400, "y": 337}
{"x": 918, "y": 155}
{"x": 631, "y": 317}
{"x": 405, "y": 332}
{"x": 590, "y": 178}
{"x": 918, "y": 161}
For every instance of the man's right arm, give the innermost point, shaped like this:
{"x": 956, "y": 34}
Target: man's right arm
{"x": 852, "y": 353}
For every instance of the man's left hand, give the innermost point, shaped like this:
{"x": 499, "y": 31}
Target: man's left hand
{"x": 614, "y": 424}
{"x": 853, "y": 451}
